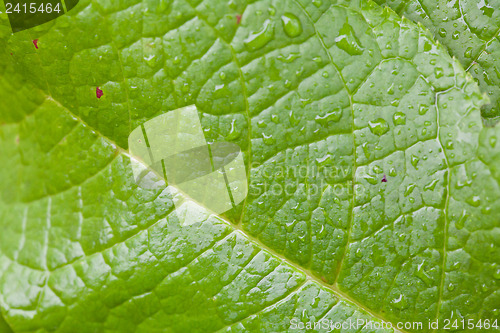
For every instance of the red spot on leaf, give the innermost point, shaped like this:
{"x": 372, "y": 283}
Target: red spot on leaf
{"x": 384, "y": 179}
{"x": 98, "y": 92}
{"x": 35, "y": 42}
{"x": 238, "y": 19}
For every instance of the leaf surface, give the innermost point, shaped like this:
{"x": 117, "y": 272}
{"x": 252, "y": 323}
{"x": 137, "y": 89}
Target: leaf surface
{"x": 324, "y": 106}
{"x": 470, "y": 31}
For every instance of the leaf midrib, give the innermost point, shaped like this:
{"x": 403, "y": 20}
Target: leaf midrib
{"x": 334, "y": 288}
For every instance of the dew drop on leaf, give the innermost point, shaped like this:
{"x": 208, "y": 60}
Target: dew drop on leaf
{"x": 393, "y": 172}
{"x": 379, "y": 126}
{"x": 348, "y": 41}
{"x": 409, "y": 189}
{"x": 259, "y": 39}
{"x": 400, "y": 302}
{"x": 468, "y": 52}
{"x": 438, "y": 72}
{"x": 371, "y": 179}
{"x": 414, "y": 161}
{"x": 431, "y": 186}
{"x": 291, "y": 25}
{"x": 333, "y": 116}
{"x": 422, "y": 274}
{"x": 294, "y": 120}
{"x": 268, "y": 139}
{"x": 493, "y": 141}
{"x": 474, "y": 201}
{"x": 234, "y": 133}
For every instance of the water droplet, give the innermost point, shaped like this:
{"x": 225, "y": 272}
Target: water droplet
{"x": 496, "y": 275}
{"x": 400, "y": 303}
{"x": 438, "y": 72}
{"x": 333, "y": 116}
{"x": 359, "y": 253}
{"x": 317, "y": 3}
{"x": 325, "y": 74}
{"x": 455, "y": 35}
{"x": 259, "y": 39}
{"x": 294, "y": 120}
{"x": 493, "y": 141}
{"x": 487, "y": 10}
{"x": 414, "y": 161}
{"x": 423, "y": 109}
{"x": 459, "y": 225}
{"x": 262, "y": 124}
{"x": 468, "y": 52}
{"x": 379, "y": 126}
{"x": 348, "y": 41}
{"x": 390, "y": 90}
{"x": 371, "y": 179}
{"x": 474, "y": 201}
{"x": 442, "y": 32}
{"x": 393, "y": 172}
{"x": 234, "y": 133}
{"x": 451, "y": 287}
{"x": 431, "y": 186}
{"x": 399, "y": 118}
{"x": 289, "y": 58}
{"x": 150, "y": 60}
{"x": 377, "y": 169}
{"x": 222, "y": 75}
{"x": 422, "y": 274}
{"x": 268, "y": 139}
{"x": 409, "y": 189}
{"x": 291, "y": 25}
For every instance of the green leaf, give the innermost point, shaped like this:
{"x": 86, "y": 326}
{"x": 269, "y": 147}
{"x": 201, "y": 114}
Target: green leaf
{"x": 470, "y": 31}
{"x": 326, "y": 99}
{"x": 4, "y": 327}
